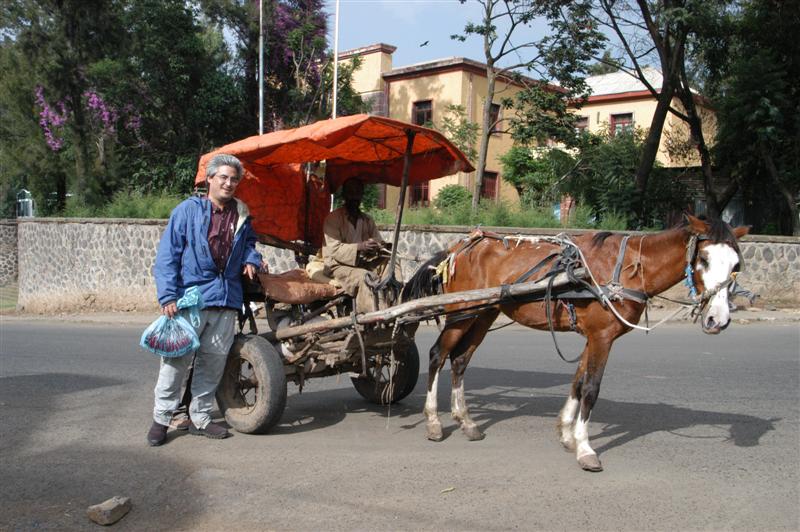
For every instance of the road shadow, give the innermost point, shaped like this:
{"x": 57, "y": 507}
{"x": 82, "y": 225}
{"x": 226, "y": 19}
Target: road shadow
{"x": 496, "y": 395}
{"x": 499, "y": 395}
{"x": 60, "y": 453}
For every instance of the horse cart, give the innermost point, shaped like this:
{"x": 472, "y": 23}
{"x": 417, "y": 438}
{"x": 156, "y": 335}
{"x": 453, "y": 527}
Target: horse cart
{"x": 313, "y": 328}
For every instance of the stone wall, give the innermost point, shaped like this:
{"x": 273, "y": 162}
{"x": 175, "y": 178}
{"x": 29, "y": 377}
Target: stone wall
{"x": 8, "y": 252}
{"x": 104, "y": 264}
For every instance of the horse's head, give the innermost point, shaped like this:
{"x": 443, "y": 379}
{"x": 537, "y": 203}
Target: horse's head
{"x": 715, "y": 260}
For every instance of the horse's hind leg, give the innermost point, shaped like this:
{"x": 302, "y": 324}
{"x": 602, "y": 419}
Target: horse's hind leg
{"x": 459, "y": 359}
{"x": 585, "y": 389}
{"x": 447, "y": 341}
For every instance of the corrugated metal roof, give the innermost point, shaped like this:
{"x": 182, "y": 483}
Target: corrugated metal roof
{"x": 620, "y": 82}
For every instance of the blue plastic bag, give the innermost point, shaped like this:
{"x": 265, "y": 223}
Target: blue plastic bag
{"x": 174, "y": 337}
{"x": 170, "y": 337}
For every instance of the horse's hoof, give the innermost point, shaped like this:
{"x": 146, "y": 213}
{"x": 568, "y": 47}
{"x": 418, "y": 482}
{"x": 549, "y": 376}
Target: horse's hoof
{"x": 473, "y": 433}
{"x": 435, "y": 433}
{"x": 590, "y": 462}
{"x": 568, "y": 445}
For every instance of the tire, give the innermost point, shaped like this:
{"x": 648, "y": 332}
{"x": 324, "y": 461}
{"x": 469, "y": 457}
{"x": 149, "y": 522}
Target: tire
{"x": 252, "y": 393}
{"x": 375, "y": 387}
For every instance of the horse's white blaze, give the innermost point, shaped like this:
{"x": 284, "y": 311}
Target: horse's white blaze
{"x": 430, "y": 400}
{"x": 582, "y": 438}
{"x": 722, "y": 259}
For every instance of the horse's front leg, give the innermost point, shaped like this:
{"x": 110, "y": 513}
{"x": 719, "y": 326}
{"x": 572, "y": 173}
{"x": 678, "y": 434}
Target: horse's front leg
{"x": 459, "y": 360}
{"x": 585, "y": 390}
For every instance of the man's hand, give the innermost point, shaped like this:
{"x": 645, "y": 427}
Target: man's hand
{"x": 249, "y": 271}
{"x": 170, "y": 309}
{"x": 371, "y": 245}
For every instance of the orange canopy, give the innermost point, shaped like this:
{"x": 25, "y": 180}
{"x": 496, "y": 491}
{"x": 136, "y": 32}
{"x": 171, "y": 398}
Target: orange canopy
{"x": 370, "y": 148}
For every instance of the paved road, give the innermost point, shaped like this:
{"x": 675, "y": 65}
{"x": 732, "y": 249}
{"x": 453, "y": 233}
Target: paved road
{"x": 695, "y": 432}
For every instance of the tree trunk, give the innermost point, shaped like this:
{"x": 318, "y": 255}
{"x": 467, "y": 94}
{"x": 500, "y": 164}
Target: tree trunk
{"x": 785, "y": 192}
{"x": 652, "y": 142}
{"x": 483, "y": 150}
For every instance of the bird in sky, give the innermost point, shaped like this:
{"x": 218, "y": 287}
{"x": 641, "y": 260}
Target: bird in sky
{"x": 424, "y": 44}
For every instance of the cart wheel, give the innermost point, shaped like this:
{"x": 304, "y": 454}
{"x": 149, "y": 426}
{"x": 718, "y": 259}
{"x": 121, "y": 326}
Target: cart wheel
{"x": 252, "y": 393}
{"x": 375, "y": 386}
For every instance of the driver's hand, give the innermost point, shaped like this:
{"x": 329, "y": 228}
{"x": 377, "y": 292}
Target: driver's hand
{"x": 370, "y": 245}
{"x": 170, "y": 309}
{"x": 249, "y": 271}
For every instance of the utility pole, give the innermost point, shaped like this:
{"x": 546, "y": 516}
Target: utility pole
{"x": 335, "y": 59}
{"x": 260, "y": 67}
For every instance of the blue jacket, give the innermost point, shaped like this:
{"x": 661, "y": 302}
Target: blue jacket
{"x": 184, "y": 256}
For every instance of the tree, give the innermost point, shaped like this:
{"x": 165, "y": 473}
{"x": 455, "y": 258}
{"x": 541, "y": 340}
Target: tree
{"x": 298, "y": 65}
{"x": 759, "y": 104}
{"x": 560, "y": 55}
{"x": 605, "y": 65}
{"x": 108, "y": 95}
{"x": 460, "y": 130}
{"x": 668, "y": 31}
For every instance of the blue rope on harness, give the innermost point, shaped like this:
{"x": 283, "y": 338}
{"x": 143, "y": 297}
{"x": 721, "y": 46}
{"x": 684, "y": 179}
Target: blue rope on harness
{"x": 689, "y": 281}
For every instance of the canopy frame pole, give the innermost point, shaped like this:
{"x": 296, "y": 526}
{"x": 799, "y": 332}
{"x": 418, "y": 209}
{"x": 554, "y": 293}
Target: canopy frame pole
{"x": 390, "y": 280}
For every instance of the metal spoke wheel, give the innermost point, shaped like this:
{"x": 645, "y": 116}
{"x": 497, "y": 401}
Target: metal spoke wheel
{"x": 252, "y": 393}
{"x": 386, "y": 383}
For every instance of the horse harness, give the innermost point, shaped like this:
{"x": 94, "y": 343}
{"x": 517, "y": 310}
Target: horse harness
{"x": 566, "y": 261}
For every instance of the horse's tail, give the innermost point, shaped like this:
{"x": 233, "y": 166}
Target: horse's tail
{"x": 425, "y": 281}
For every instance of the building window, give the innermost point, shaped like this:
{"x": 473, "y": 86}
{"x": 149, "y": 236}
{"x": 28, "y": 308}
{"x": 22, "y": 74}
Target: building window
{"x": 489, "y": 185}
{"x": 621, "y": 123}
{"x": 419, "y": 195}
{"x": 581, "y": 124}
{"x": 494, "y": 117}
{"x": 422, "y": 113}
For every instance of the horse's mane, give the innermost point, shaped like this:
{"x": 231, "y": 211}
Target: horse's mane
{"x": 599, "y": 238}
{"x": 425, "y": 281}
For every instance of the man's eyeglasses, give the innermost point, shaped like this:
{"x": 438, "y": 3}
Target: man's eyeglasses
{"x": 232, "y": 178}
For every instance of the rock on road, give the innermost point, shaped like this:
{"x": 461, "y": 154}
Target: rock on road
{"x": 695, "y": 432}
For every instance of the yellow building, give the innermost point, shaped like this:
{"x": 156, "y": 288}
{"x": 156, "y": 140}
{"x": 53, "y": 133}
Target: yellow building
{"x": 421, "y": 93}
{"x": 619, "y": 101}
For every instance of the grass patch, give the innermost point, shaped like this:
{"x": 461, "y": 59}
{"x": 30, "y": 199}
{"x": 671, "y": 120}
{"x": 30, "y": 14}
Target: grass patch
{"x": 8, "y": 296}
{"x": 125, "y": 204}
{"x": 493, "y": 214}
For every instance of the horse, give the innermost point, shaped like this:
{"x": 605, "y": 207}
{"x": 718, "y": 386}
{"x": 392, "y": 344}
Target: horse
{"x": 624, "y": 270}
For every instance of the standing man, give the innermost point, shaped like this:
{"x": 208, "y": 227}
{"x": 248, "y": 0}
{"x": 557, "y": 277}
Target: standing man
{"x": 208, "y": 243}
{"x": 353, "y": 246}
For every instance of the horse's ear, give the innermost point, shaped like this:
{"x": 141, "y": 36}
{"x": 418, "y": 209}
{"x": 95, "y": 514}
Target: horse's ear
{"x": 740, "y": 231}
{"x": 696, "y": 225}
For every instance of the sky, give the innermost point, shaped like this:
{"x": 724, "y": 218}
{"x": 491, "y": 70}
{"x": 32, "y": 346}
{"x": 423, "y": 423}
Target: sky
{"x": 406, "y": 24}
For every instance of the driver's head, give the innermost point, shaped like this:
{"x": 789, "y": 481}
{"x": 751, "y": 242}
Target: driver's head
{"x": 352, "y": 192}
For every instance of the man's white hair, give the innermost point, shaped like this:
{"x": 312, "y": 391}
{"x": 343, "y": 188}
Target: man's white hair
{"x": 223, "y": 159}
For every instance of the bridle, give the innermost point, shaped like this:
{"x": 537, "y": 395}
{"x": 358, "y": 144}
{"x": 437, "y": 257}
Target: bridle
{"x": 700, "y": 301}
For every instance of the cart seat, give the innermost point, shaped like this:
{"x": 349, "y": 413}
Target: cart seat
{"x": 296, "y": 288}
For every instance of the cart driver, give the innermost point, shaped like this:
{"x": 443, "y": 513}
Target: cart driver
{"x": 353, "y": 246}
{"x": 209, "y": 243}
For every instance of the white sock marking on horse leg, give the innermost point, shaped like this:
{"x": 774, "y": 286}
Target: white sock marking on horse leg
{"x": 582, "y": 438}
{"x": 566, "y": 418}
{"x": 458, "y": 407}
{"x": 431, "y": 405}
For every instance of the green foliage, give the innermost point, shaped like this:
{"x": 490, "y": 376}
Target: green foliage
{"x": 604, "y": 181}
{"x": 452, "y": 196}
{"x": 124, "y": 204}
{"x": 461, "y": 131}
{"x": 489, "y": 213}
{"x": 759, "y": 104}
{"x": 535, "y": 172}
